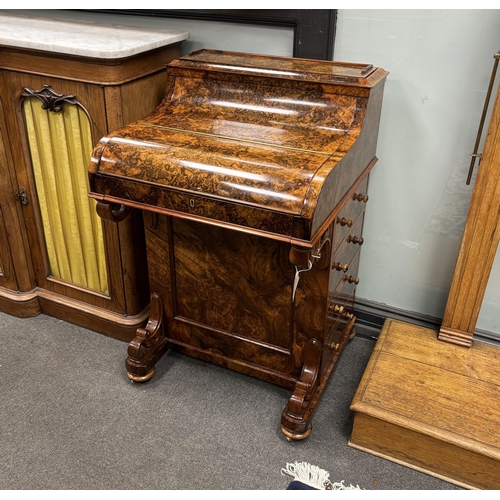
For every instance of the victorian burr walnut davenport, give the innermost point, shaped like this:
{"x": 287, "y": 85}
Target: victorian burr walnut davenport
{"x": 434, "y": 404}
{"x": 252, "y": 177}
{"x": 64, "y": 84}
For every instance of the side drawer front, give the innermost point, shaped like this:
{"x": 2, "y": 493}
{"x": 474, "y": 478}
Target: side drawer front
{"x": 346, "y": 286}
{"x": 341, "y": 262}
{"x": 341, "y": 299}
{"x": 348, "y": 215}
{"x": 339, "y": 323}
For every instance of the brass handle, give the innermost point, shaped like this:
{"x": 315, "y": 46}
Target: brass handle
{"x": 355, "y": 240}
{"x": 360, "y": 197}
{"x": 340, "y": 267}
{"x": 336, "y": 308}
{"x": 344, "y": 221}
{"x": 474, "y": 154}
{"x": 350, "y": 279}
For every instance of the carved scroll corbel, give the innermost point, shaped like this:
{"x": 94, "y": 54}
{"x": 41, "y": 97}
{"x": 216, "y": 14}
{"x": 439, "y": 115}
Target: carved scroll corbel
{"x": 296, "y": 419}
{"x": 149, "y": 344}
{"x": 112, "y": 211}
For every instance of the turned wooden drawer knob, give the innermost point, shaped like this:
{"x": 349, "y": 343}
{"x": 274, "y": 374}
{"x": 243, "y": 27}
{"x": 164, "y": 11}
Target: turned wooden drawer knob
{"x": 340, "y": 267}
{"x": 336, "y": 308}
{"x": 344, "y": 222}
{"x": 360, "y": 197}
{"x": 355, "y": 240}
{"x": 351, "y": 279}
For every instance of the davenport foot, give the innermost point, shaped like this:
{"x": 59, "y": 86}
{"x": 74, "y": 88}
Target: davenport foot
{"x": 297, "y": 415}
{"x": 148, "y": 346}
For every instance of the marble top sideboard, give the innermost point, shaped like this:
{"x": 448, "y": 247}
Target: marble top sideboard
{"x": 82, "y": 38}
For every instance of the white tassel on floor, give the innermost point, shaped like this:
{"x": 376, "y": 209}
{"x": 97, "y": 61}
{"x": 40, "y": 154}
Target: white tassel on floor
{"x": 314, "y": 476}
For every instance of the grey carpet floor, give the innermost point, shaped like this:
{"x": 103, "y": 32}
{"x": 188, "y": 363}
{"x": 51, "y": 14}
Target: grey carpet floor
{"x": 71, "y": 420}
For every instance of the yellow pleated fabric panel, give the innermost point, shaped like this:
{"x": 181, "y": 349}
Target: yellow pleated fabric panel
{"x": 61, "y": 146}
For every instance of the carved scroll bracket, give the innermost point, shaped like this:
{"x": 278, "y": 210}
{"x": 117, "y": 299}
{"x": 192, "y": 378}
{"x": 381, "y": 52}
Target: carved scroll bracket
{"x": 112, "y": 211}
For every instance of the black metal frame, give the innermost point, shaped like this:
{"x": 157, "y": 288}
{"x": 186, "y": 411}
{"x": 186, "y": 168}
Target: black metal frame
{"x": 314, "y": 29}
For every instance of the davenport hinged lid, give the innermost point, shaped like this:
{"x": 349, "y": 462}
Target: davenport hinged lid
{"x": 240, "y": 139}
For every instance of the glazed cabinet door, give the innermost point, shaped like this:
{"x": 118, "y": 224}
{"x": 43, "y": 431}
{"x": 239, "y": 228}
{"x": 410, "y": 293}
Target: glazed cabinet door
{"x": 53, "y": 125}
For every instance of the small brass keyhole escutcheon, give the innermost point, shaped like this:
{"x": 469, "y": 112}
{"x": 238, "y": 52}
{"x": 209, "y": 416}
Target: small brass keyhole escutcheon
{"x": 23, "y": 196}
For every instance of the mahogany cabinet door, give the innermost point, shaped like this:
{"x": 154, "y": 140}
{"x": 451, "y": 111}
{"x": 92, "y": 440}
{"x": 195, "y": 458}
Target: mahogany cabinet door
{"x": 42, "y": 152}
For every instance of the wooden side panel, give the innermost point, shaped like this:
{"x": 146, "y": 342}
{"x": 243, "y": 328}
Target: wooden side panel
{"x": 353, "y": 157}
{"x": 227, "y": 295}
{"x": 142, "y": 96}
{"x": 446, "y": 461}
{"x": 233, "y": 282}
{"x": 133, "y": 100}
{"x": 17, "y": 267}
{"x": 7, "y": 276}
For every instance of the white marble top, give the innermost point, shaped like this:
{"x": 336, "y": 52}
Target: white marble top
{"x": 82, "y": 38}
